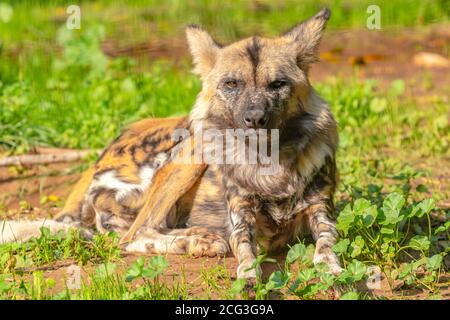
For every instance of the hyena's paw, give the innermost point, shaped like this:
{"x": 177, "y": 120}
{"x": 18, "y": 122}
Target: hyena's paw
{"x": 208, "y": 244}
{"x": 196, "y": 231}
{"x": 140, "y": 246}
{"x": 330, "y": 259}
{"x": 245, "y": 271}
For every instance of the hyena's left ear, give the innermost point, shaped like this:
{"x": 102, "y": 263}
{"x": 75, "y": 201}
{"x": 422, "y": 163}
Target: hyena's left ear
{"x": 204, "y": 49}
{"x": 306, "y": 37}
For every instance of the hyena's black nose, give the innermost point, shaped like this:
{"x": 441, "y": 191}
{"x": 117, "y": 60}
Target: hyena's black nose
{"x": 255, "y": 119}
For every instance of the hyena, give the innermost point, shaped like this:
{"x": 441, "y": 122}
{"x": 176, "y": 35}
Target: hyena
{"x": 209, "y": 210}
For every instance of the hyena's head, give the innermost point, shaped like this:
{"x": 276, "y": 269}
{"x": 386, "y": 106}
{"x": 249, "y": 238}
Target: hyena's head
{"x": 256, "y": 82}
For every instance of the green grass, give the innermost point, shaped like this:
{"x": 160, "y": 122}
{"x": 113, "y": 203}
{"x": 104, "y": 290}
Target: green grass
{"x": 103, "y": 283}
{"x": 392, "y": 233}
{"x": 84, "y": 98}
{"x": 38, "y": 20}
{"x": 58, "y": 89}
{"x": 52, "y": 248}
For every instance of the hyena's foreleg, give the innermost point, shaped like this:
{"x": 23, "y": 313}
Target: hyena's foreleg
{"x": 323, "y": 230}
{"x": 243, "y": 238}
{"x": 320, "y": 215}
{"x": 195, "y": 241}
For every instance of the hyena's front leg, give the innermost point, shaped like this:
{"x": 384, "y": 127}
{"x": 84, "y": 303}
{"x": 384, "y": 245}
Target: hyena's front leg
{"x": 323, "y": 229}
{"x": 242, "y": 237}
{"x": 320, "y": 214}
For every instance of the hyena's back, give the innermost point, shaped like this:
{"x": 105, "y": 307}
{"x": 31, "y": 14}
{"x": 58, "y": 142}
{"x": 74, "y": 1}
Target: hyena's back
{"x": 110, "y": 194}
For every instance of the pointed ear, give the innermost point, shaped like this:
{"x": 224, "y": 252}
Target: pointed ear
{"x": 203, "y": 48}
{"x": 306, "y": 37}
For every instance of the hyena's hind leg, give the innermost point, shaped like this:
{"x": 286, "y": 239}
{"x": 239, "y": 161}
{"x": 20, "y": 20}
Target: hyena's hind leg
{"x": 195, "y": 241}
{"x": 77, "y": 210}
{"x": 24, "y": 230}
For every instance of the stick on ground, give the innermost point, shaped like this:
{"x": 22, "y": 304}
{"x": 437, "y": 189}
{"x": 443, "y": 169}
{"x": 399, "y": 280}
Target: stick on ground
{"x": 35, "y": 159}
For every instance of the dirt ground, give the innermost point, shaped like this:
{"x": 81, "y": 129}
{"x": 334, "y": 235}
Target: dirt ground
{"x": 381, "y": 55}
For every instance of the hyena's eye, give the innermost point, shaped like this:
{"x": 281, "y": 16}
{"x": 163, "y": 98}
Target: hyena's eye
{"x": 277, "y": 84}
{"x": 231, "y": 84}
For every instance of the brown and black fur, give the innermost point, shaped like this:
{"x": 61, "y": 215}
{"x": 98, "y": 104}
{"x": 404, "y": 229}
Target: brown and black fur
{"x": 214, "y": 209}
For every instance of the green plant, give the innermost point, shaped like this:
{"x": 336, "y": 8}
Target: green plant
{"x": 49, "y": 248}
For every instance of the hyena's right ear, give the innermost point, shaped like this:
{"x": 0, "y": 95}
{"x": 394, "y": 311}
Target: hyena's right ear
{"x": 203, "y": 48}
